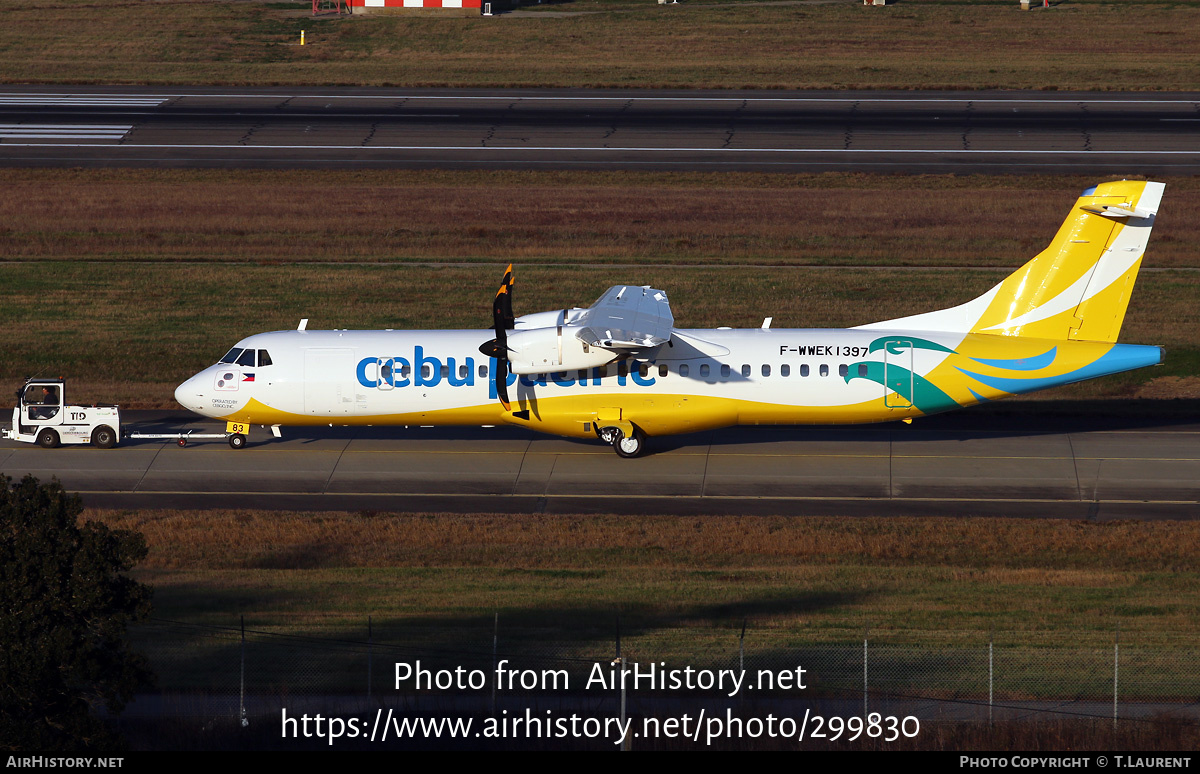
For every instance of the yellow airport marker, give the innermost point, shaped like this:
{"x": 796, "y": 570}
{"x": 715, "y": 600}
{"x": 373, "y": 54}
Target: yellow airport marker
{"x": 302, "y": 37}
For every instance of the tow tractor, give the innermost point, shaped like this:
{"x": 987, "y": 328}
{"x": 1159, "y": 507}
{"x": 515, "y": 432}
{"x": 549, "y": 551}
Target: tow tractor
{"x": 44, "y": 417}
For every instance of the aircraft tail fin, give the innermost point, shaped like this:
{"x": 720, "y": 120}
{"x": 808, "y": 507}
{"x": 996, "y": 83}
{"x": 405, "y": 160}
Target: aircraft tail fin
{"x": 1078, "y": 287}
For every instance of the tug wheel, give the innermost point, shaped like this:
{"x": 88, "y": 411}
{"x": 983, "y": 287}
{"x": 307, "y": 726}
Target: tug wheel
{"x": 48, "y": 439}
{"x": 104, "y": 437}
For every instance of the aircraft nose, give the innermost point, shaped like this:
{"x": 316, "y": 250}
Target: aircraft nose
{"x": 189, "y": 394}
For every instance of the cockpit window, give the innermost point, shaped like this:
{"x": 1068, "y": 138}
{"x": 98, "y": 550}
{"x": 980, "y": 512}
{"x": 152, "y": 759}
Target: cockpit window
{"x": 263, "y": 358}
{"x": 231, "y": 356}
{"x": 246, "y": 358}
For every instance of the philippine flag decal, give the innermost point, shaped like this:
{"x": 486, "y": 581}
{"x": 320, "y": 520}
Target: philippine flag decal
{"x": 247, "y": 377}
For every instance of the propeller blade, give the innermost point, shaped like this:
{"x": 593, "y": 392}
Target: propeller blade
{"x": 502, "y": 309}
{"x": 502, "y": 320}
{"x": 502, "y": 382}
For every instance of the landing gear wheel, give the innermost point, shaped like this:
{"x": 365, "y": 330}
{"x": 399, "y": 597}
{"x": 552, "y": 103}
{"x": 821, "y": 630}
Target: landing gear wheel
{"x": 104, "y": 437}
{"x": 48, "y": 439}
{"x": 631, "y": 446}
{"x": 182, "y": 442}
{"x": 237, "y": 441}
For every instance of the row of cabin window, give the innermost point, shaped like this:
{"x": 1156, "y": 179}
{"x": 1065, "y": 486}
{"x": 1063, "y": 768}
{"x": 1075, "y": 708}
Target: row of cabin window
{"x": 622, "y": 369}
{"x": 245, "y": 357}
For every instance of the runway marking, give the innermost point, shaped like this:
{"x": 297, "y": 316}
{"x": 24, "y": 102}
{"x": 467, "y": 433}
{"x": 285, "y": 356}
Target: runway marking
{"x": 610, "y": 98}
{"x": 69, "y": 101}
{"x": 62, "y": 131}
{"x": 594, "y": 149}
{"x": 627, "y": 496}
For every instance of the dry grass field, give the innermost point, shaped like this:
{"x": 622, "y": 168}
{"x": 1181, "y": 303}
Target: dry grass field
{"x": 129, "y": 281}
{"x": 1087, "y": 44}
{"x": 554, "y": 217}
{"x": 1029, "y": 580}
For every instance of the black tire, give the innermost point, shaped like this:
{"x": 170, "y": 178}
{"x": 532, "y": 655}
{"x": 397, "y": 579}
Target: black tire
{"x": 104, "y": 437}
{"x": 631, "y": 446}
{"x": 237, "y": 441}
{"x": 182, "y": 442}
{"x": 48, "y": 439}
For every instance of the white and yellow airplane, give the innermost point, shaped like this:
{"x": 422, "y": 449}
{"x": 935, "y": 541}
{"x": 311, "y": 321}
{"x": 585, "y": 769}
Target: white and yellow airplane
{"x": 621, "y": 372}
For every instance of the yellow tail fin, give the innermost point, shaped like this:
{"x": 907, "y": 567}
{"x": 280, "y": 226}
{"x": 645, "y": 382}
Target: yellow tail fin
{"x": 1078, "y": 287}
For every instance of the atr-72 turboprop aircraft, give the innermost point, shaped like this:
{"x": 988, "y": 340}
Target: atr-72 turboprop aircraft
{"x": 621, "y": 372}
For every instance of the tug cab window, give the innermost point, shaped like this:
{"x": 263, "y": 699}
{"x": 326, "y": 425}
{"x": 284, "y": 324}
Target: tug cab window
{"x": 43, "y": 401}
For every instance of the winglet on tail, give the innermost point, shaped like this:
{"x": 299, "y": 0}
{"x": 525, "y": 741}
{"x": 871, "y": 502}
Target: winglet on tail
{"x": 1078, "y": 287}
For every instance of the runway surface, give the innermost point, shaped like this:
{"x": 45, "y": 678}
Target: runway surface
{"x": 987, "y": 132}
{"x": 972, "y": 463}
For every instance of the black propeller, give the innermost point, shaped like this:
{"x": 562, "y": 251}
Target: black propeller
{"x": 502, "y": 321}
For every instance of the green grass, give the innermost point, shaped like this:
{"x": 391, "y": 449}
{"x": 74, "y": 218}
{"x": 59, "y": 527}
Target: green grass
{"x": 929, "y": 593}
{"x": 913, "y": 44}
{"x": 678, "y": 585}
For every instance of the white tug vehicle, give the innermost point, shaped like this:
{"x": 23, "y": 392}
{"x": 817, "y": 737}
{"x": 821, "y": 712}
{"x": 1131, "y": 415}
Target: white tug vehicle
{"x": 42, "y": 416}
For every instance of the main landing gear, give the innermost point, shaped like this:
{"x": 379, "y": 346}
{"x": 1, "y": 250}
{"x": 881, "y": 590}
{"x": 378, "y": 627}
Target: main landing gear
{"x": 628, "y": 446}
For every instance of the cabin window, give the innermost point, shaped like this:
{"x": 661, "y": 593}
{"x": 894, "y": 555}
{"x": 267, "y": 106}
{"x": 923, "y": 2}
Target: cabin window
{"x": 804, "y": 370}
{"x": 246, "y": 358}
{"x": 426, "y": 371}
{"x": 704, "y": 370}
{"x": 662, "y": 369}
{"x": 766, "y": 370}
{"x": 785, "y": 370}
{"x": 644, "y": 370}
{"x": 862, "y": 369}
{"x": 622, "y": 369}
{"x": 385, "y": 371}
{"x": 231, "y": 356}
{"x": 482, "y": 372}
{"x": 824, "y": 370}
{"x": 843, "y": 370}
{"x": 583, "y": 375}
{"x": 724, "y": 371}
{"x": 745, "y": 370}
{"x": 463, "y": 371}
{"x": 683, "y": 369}
{"x": 264, "y": 359}
{"x": 405, "y": 371}
{"x": 445, "y": 372}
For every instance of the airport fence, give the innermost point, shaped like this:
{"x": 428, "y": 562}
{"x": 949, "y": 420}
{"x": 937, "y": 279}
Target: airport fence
{"x": 243, "y": 672}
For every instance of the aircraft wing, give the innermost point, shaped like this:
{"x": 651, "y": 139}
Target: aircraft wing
{"x": 627, "y": 317}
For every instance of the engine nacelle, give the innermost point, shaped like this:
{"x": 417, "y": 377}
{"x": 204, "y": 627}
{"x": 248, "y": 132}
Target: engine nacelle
{"x": 547, "y": 350}
{"x": 546, "y": 319}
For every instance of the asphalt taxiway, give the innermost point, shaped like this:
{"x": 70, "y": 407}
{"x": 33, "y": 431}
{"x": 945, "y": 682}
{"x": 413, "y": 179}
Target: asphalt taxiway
{"x": 966, "y": 464}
